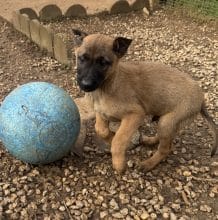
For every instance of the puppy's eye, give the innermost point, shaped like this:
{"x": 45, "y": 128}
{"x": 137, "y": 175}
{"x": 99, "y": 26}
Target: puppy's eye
{"x": 83, "y": 58}
{"x": 102, "y": 61}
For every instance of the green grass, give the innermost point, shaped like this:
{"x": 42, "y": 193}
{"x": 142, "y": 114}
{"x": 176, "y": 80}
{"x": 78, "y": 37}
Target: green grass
{"x": 199, "y": 8}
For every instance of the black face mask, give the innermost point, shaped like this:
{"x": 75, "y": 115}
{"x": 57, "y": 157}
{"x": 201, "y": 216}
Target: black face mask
{"x": 91, "y": 72}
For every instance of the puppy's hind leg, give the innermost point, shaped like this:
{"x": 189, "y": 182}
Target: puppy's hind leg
{"x": 149, "y": 140}
{"x": 166, "y": 131}
{"x": 167, "y": 128}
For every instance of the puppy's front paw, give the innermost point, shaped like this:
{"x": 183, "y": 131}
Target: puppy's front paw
{"x": 119, "y": 164}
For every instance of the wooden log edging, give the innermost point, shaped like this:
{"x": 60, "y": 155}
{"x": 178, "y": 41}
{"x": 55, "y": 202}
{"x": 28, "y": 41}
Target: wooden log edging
{"x": 27, "y": 21}
{"x": 43, "y": 36}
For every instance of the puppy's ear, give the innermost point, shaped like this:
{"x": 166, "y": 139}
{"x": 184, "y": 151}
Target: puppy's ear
{"x": 120, "y": 46}
{"x": 79, "y": 36}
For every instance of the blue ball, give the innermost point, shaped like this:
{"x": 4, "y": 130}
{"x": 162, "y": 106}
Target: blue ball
{"x": 39, "y": 123}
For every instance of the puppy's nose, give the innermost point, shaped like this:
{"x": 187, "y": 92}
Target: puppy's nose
{"x": 86, "y": 82}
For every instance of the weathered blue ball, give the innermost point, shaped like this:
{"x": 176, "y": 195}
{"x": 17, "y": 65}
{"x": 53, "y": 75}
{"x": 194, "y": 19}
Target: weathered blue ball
{"x": 39, "y": 123}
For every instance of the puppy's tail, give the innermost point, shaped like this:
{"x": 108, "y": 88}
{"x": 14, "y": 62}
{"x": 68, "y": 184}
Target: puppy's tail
{"x": 212, "y": 126}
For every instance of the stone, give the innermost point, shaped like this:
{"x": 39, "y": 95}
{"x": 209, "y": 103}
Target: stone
{"x": 62, "y": 208}
{"x": 50, "y": 12}
{"x": 136, "y": 217}
{"x": 25, "y": 25}
{"x": 76, "y": 11}
{"x": 99, "y": 200}
{"x": 30, "y": 12}
{"x": 16, "y": 19}
{"x": 121, "y": 6}
{"x": 215, "y": 172}
{"x": 165, "y": 215}
{"x": 205, "y": 208}
{"x": 34, "y": 31}
{"x": 117, "y": 215}
{"x": 144, "y": 215}
{"x": 176, "y": 206}
{"x": 103, "y": 214}
{"x": 187, "y": 173}
{"x": 61, "y": 50}
{"x": 79, "y": 204}
{"x": 124, "y": 211}
{"x": 114, "y": 204}
{"x": 130, "y": 163}
{"x": 46, "y": 39}
{"x": 173, "y": 216}
{"x": 153, "y": 216}
{"x": 124, "y": 198}
{"x": 214, "y": 164}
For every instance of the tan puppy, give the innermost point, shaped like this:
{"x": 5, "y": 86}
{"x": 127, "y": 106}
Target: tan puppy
{"x": 127, "y": 92}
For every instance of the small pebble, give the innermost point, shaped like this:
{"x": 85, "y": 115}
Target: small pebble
{"x": 124, "y": 211}
{"x": 165, "y": 215}
{"x": 205, "y": 208}
{"x": 62, "y": 208}
{"x": 187, "y": 173}
{"x": 153, "y": 216}
{"x": 118, "y": 215}
{"x": 172, "y": 216}
{"x": 144, "y": 215}
{"x": 103, "y": 214}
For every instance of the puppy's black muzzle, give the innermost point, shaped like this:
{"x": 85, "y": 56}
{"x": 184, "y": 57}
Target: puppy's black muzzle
{"x": 90, "y": 77}
{"x": 87, "y": 85}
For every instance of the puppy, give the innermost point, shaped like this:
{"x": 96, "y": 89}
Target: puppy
{"x": 127, "y": 92}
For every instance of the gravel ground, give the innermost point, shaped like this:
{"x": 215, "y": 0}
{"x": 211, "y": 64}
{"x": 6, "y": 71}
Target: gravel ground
{"x": 182, "y": 187}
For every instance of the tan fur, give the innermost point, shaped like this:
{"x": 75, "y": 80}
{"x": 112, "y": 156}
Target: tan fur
{"x": 133, "y": 90}
{"x": 86, "y": 113}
